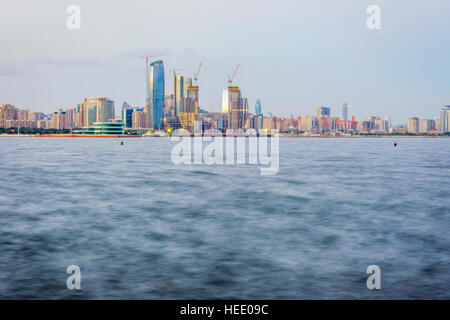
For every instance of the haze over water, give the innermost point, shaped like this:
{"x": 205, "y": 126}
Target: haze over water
{"x": 141, "y": 227}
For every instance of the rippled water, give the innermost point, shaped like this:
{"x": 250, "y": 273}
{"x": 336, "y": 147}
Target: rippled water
{"x": 140, "y": 227}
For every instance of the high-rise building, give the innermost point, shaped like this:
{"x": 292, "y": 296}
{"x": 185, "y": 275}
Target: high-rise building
{"x": 181, "y": 85}
{"x": 138, "y": 119}
{"x": 237, "y": 108}
{"x": 58, "y": 119}
{"x": 169, "y": 105}
{"x": 426, "y": 125}
{"x": 97, "y": 110}
{"x": 189, "y": 116}
{"x": 444, "y": 121}
{"x": 388, "y": 119}
{"x": 413, "y": 125}
{"x": 156, "y": 95}
{"x": 258, "y": 107}
{"x": 345, "y": 111}
{"x": 127, "y": 115}
{"x": 323, "y": 111}
{"x": 225, "y": 103}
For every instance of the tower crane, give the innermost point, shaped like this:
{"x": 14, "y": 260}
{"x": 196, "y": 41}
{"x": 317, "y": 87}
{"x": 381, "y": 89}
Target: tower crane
{"x": 230, "y": 80}
{"x": 197, "y": 73}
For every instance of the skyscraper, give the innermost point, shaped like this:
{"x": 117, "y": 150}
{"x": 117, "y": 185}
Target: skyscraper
{"x": 323, "y": 111}
{"x": 182, "y": 84}
{"x": 413, "y": 125}
{"x": 127, "y": 115}
{"x": 258, "y": 107}
{"x": 97, "y": 110}
{"x": 345, "y": 111}
{"x": 189, "y": 116}
{"x": 444, "y": 121}
{"x": 237, "y": 108}
{"x": 225, "y": 101}
{"x": 156, "y": 95}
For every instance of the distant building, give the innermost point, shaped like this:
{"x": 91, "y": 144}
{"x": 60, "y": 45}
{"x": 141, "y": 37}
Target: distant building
{"x": 413, "y": 125}
{"x": 426, "y": 125}
{"x": 94, "y": 110}
{"x": 169, "y": 105}
{"x": 156, "y": 99}
{"x": 258, "y": 107}
{"x": 138, "y": 119}
{"x": 225, "y": 103}
{"x": 127, "y": 117}
{"x": 444, "y": 121}
{"x": 181, "y": 86}
{"x": 323, "y": 111}
{"x": 345, "y": 111}
{"x": 237, "y": 108}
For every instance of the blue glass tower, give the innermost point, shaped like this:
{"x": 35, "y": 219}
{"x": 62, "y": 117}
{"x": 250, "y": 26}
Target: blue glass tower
{"x": 258, "y": 107}
{"x": 156, "y": 95}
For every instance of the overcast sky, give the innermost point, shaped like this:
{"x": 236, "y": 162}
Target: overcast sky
{"x": 294, "y": 55}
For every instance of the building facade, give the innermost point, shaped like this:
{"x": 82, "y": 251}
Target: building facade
{"x": 413, "y": 125}
{"x": 156, "y": 95}
{"x": 444, "y": 121}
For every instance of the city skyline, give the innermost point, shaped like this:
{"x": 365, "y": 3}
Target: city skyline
{"x": 310, "y": 56}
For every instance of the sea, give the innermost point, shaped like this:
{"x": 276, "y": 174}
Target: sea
{"x": 140, "y": 226}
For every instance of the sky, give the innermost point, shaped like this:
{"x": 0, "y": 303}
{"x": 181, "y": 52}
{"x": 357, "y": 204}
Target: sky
{"x": 294, "y": 55}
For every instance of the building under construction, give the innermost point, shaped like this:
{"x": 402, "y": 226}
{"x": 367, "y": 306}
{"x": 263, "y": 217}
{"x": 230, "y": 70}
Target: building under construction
{"x": 237, "y": 108}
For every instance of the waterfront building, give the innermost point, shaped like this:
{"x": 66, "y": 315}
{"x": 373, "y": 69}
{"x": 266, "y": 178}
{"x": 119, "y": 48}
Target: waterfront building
{"x": 96, "y": 110}
{"x": 269, "y": 123}
{"x": 258, "y": 107}
{"x": 12, "y": 117}
{"x": 225, "y": 103}
{"x": 444, "y": 121}
{"x": 323, "y": 111}
{"x": 237, "y": 108}
{"x": 426, "y": 125}
{"x": 156, "y": 96}
{"x": 58, "y": 119}
{"x": 190, "y": 114}
{"x": 169, "y": 105}
{"x": 127, "y": 117}
{"x": 345, "y": 112}
{"x": 413, "y": 125}
{"x": 138, "y": 119}
{"x": 112, "y": 127}
{"x": 182, "y": 84}
{"x": 397, "y": 130}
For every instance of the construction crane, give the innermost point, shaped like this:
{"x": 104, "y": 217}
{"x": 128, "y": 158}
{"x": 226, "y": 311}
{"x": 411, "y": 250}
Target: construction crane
{"x": 230, "y": 80}
{"x": 197, "y": 73}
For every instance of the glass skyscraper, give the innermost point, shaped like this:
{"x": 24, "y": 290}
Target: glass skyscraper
{"x": 156, "y": 95}
{"x": 258, "y": 107}
{"x": 445, "y": 119}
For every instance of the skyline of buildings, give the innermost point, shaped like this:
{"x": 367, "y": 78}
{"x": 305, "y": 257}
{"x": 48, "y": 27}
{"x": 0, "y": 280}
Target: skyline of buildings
{"x": 181, "y": 109}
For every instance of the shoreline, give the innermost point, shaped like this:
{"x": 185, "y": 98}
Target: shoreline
{"x": 280, "y": 136}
